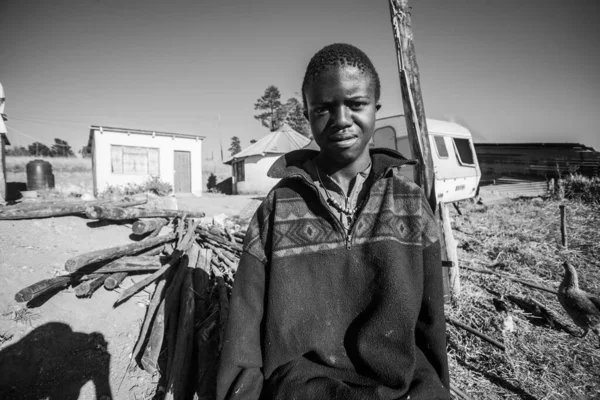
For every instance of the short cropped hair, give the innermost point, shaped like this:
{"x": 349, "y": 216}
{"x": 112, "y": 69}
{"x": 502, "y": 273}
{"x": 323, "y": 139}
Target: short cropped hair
{"x": 335, "y": 55}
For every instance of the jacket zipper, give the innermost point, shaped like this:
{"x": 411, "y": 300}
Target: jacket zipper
{"x": 316, "y": 190}
{"x": 359, "y": 211}
{"x": 341, "y": 228}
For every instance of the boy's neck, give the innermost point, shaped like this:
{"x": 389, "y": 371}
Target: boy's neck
{"x": 343, "y": 174}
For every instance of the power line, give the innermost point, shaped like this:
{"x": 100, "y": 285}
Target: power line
{"x": 36, "y": 139}
{"x": 69, "y": 125}
{"x": 47, "y": 119}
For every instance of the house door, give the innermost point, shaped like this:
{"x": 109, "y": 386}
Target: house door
{"x": 183, "y": 172}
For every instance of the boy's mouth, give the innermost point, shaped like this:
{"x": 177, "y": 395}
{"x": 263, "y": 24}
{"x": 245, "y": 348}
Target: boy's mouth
{"x": 343, "y": 140}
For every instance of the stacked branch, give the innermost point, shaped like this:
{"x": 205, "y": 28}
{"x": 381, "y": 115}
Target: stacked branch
{"x": 190, "y": 270}
{"x": 59, "y": 209}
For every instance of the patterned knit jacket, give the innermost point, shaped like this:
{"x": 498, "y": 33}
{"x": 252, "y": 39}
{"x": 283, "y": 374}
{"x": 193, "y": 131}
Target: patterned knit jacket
{"x": 317, "y": 313}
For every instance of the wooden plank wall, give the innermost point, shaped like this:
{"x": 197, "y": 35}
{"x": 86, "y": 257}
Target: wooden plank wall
{"x": 535, "y": 160}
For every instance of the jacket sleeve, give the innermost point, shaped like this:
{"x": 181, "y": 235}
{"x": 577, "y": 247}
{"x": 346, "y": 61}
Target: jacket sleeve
{"x": 430, "y": 331}
{"x": 240, "y": 366}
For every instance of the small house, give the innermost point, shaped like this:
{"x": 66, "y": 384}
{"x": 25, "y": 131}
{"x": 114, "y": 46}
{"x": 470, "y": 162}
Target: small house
{"x": 250, "y": 166}
{"x": 121, "y": 156}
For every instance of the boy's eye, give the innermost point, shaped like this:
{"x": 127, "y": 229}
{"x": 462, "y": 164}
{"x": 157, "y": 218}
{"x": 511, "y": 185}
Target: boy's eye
{"x": 320, "y": 110}
{"x": 358, "y": 105}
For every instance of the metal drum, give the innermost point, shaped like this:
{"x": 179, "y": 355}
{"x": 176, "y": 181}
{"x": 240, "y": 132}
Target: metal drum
{"x": 39, "y": 175}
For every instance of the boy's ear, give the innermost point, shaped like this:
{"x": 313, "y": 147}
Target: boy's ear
{"x": 377, "y": 106}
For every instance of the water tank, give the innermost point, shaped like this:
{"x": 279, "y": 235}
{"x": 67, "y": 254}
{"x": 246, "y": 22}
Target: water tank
{"x": 39, "y": 175}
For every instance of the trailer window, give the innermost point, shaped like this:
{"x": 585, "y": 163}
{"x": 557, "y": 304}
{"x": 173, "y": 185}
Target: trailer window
{"x": 440, "y": 146}
{"x": 464, "y": 152}
{"x": 385, "y": 137}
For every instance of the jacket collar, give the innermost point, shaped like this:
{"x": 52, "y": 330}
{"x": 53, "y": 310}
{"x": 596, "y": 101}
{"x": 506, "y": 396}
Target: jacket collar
{"x": 290, "y": 164}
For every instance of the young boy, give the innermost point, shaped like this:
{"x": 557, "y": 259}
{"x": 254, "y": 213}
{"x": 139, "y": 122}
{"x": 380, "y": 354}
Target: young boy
{"x": 338, "y": 294}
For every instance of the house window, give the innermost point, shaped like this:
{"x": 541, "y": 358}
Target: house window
{"x": 130, "y": 160}
{"x": 440, "y": 146}
{"x": 239, "y": 172}
{"x": 464, "y": 151}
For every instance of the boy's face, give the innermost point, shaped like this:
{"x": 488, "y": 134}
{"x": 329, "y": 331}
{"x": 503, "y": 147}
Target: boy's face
{"x": 341, "y": 109}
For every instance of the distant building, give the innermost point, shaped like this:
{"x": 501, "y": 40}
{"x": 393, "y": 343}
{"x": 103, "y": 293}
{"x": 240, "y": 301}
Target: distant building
{"x": 3, "y": 143}
{"x": 121, "y": 156}
{"x": 250, "y": 166}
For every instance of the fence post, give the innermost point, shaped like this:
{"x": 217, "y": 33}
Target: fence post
{"x": 563, "y": 226}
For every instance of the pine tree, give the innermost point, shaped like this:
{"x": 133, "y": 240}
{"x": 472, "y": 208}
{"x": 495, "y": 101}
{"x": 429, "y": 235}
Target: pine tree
{"x": 236, "y": 146}
{"x": 273, "y": 112}
{"x": 295, "y": 117}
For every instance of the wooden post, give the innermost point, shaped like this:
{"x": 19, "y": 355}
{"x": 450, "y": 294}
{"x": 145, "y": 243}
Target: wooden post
{"x": 416, "y": 125}
{"x": 451, "y": 252}
{"x": 563, "y": 227}
{"x": 414, "y": 110}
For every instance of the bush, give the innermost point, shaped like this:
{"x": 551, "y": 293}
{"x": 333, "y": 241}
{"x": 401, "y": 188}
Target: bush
{"x": 152, "y": 185}
{"x": 156, "y": 186}
{"x": 579, "y": 187}
{"x": 212, "y": 182}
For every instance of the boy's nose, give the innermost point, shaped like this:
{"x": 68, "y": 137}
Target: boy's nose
{"x": 342, "y": 118}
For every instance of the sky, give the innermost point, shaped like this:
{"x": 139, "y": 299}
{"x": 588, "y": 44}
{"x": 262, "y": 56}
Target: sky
{"x": 510, "y": 71}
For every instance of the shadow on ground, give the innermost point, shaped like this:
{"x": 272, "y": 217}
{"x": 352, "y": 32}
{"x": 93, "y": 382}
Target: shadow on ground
{"x": 14, "y": 189}
{"x": 53, "y": 362}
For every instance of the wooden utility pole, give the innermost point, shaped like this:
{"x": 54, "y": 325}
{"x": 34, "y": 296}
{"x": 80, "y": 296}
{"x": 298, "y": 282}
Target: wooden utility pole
{"x": 414, "y": 110}
{"x": 418, "y": 135}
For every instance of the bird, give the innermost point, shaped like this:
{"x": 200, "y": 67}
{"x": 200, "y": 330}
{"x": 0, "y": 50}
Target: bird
{"x": 500, "y": 304}
{"x": 582, "y": 307}
{"x": 508, "y": 324}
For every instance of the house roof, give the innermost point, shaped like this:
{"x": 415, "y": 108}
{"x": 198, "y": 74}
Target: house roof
{"x": 94, "y": 128}
{"x": 281, "y": 141}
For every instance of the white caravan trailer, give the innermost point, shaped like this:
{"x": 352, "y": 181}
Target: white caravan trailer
{"x": 455, "y": 164}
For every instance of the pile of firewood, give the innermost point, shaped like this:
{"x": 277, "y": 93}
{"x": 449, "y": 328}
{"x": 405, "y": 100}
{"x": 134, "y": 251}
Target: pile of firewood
{"x": 191, "y": 266}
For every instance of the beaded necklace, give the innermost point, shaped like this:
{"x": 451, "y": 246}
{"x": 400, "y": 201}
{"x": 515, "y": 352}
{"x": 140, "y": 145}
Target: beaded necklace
{"x": 346, "y": 210}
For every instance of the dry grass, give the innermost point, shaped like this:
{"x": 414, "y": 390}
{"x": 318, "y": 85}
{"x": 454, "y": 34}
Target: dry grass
{"x": 17, "y": 164}
{"x": 216, "y": 167}
{"x": 75, "y": 174}
{"x": 541, "y": 361}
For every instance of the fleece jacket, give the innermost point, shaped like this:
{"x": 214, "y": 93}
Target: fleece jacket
{"x": 318, "y": 312}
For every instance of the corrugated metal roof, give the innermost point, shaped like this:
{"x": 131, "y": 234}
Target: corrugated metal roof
{"x": 281, "y": 141}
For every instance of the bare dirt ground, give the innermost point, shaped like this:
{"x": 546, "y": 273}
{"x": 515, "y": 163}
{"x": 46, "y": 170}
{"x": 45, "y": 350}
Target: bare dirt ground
{"x": 70, "y": 348}
{"x": 67, "y": 347}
